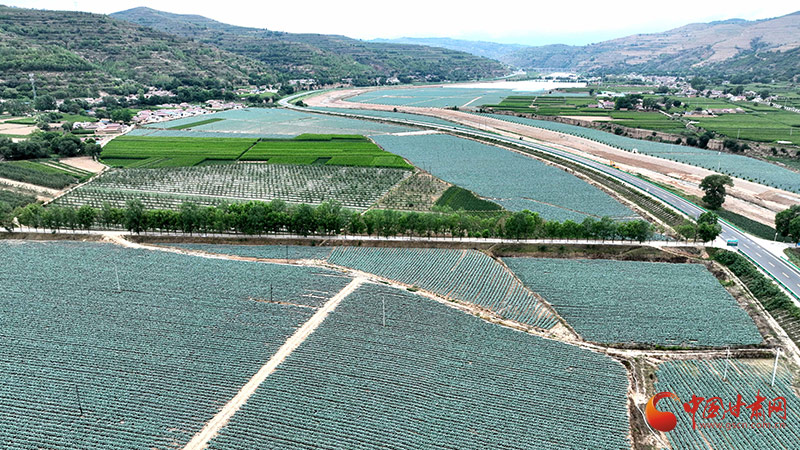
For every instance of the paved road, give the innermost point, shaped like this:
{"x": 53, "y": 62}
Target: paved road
{"x": 779, "y": 269}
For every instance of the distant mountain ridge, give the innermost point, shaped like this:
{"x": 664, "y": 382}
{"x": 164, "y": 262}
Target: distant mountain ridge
{"x": 695, "y": 47}
{"x": 486, "y": 49}
{"x": 327, "y": 58}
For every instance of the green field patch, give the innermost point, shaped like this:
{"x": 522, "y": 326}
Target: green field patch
{"x": 36, "y": 173}
{"x": 340, "y": 150}
{"x": 181, "y": 150}
{"x": 196, "y": 124}
{"x": 459, "y": 198}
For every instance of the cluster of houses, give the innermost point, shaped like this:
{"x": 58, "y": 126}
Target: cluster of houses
{"x": 172, "y": 111}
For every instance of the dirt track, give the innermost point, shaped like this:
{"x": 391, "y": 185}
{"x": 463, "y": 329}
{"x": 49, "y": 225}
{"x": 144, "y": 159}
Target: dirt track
{"x": 752, "y": 200}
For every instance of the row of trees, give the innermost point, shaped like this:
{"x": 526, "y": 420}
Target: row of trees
{"x": 329, "y": 218}
{"x": 44, "y": 144}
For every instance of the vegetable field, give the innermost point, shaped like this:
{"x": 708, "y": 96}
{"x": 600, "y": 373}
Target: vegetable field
{"x": 280, "y": 121}
{"x": 745, "y": 378}
{"x": 465, "y": 275}
{"x": 147, "y": 151}
{"x": 354, "y": 187}
{"x": 514, "y": 181}
{"x": 262, "y": 251}
{"x": 156, "y": 152}
{"x": 639, "y": 302}
{"x": 391, "y": 115}
{"x": 324, "y": 149}
{"x": 432, "y": 378}
{"x": 438, "y": 97}
{"x": 36, "y": 173}
{"x": 140, "y": 357}
{"x": 734, "y": 165}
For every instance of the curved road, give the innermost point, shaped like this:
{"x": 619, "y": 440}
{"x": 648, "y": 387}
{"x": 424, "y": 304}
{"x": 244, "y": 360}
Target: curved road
{"x": 786, "y": 274}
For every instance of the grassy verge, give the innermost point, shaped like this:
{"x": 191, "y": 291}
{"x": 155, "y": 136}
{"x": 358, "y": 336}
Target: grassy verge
{"x": 196, "y": 124}
{"x": 774, "y": 300}
{"x": 794, "y": 255}
{"x": 757, "y": 229}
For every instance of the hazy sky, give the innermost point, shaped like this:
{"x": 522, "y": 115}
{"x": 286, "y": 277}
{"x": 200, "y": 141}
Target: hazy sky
{"x": 512, "y": 21}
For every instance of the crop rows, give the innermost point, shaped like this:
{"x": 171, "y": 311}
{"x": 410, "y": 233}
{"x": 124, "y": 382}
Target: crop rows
{"x": 465, "y": 275}
{"x": 354, "y": 187}
{"x": 434, "y": 97}
{"x": 734, "y": 165}
{"x": 418, "y": 192}
{"x": 342, "y": 151}
{"x": 512, "y": 180}
{"x": 141, "y": 357}
{"x": 432, "y": 378}
{"x": 745, "y": 377}
{"x": 639, "y": 302}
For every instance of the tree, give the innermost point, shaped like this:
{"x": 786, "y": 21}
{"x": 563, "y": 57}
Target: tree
{"x": 783, "y": 221}
{"x": 122, "y": 115}
{"x": 687, "y": 229}
{"x": 45, "y": 102}
{"x": 708, "y": 227}
{"x": 86, "y": 216}
{"x": 6, "y": 217}
{"x": 714, "y": 188}
{"x": 134, "y": 216}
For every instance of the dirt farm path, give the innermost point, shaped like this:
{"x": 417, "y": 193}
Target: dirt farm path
{"x": 752, "y": 200}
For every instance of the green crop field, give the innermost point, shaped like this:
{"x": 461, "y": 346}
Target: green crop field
{"x": 432, "y": 378}
{"x": 36, "y": 173}
{"x": 744, "y": 377}
{"x": 762, "y": 124}
{"x": 167, "y": 188}
{"x": 623, "y": 302}
{"x": 334, "y": 150}
{"x": 330, "y": 150}
{"x": 15, "y": 199}
{"x": 133, "y": 349}
{"x": 465, "y": 275}
{"x": 515, "y": 182}
{"x": 461, "y": 199}
{"x": 579, "y": 106}
{"x": 173, "y": 151}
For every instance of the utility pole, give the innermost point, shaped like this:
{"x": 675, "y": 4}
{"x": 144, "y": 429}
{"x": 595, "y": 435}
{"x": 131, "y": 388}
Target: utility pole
{"x": 78, "y": 395}
{"x": 775, "y": 367}
{"x": 727, "y": 363}
{"x": 33, "y": 85}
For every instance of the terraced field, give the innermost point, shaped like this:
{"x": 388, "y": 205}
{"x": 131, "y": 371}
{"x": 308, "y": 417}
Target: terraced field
{"x": 745, "y": 378}
{"x": 167, "y": 188}
{"x": 734, "y": 165}
{"x": 432, "y": 378}
{"x": 139, "y": 357}
{"x": 621, "y": 302}
{"x": 465, "y": 275}
{"x": 514, "y": 181}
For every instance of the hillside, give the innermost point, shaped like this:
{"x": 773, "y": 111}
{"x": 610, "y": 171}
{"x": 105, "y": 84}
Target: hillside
{"x": 327, "y": 58}
{"x": 485, "y": 49}
{"x": 78, "y": 54}
{"x": 689, "y": 48}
